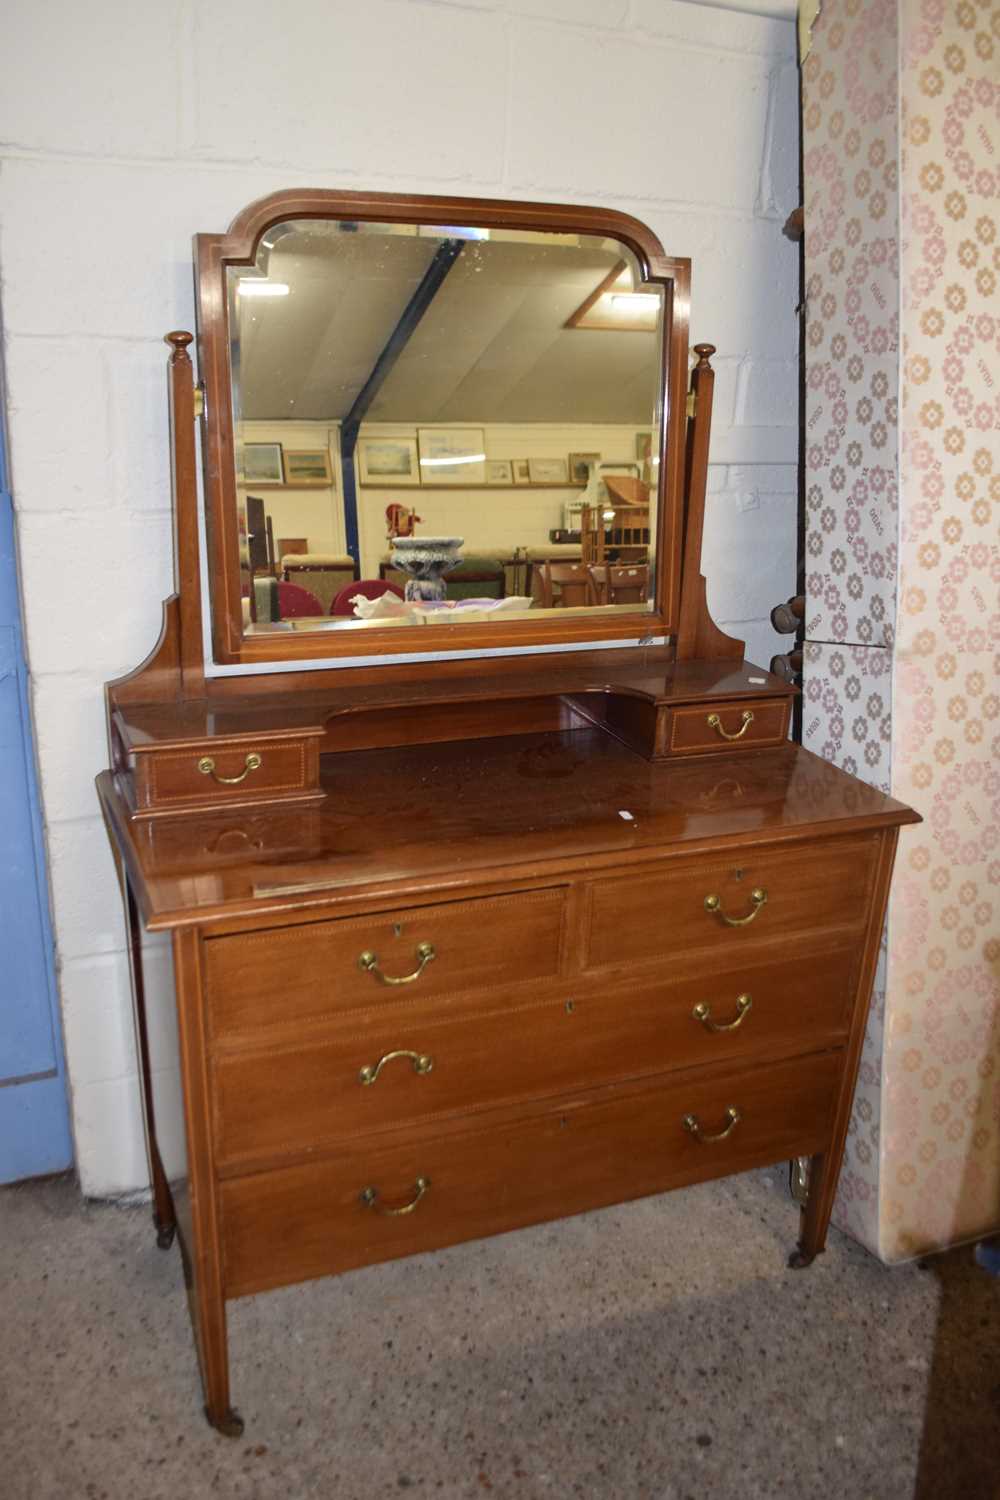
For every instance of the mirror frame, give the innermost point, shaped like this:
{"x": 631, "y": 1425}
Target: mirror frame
{"x": 215, "y": 253}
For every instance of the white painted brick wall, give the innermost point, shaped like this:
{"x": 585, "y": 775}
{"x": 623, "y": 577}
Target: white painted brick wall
{"x": 129, "y": 127}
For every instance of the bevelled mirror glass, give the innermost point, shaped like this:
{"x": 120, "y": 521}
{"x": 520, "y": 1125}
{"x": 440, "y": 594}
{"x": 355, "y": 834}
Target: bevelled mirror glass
{"x": 442, "y": 423}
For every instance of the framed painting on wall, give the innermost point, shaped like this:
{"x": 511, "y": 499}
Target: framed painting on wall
{"x": 308, "y": 467}
{"x": 387, "y": 460}
{"x": 452, "y": 455}
{"x": 548, "y": 470}
{"x": 499, "y": 471}
{"x": 579, "y": 466}
{"x": 262, "y": 463}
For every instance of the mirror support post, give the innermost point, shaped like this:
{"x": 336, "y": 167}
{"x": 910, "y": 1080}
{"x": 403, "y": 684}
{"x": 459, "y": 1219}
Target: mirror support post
{"x": 698, "y": 636}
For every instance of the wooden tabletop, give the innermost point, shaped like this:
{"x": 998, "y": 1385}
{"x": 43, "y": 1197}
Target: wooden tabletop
{"x": 449, "y": 818}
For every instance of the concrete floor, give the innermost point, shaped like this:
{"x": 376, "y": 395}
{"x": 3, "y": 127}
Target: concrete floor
{"x": 659, "y": 1351}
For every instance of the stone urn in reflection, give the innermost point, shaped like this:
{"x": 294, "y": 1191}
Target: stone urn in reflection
{"x": 425, "y": 560}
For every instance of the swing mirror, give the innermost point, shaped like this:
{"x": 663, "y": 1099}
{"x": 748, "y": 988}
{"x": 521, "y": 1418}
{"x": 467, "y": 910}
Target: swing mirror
{"x": 434, "y": 424}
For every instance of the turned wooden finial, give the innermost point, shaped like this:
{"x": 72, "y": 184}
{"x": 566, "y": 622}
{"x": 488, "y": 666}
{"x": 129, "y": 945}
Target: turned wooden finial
{"x": 704, "y": 353}
{"x": 178, "y": 341}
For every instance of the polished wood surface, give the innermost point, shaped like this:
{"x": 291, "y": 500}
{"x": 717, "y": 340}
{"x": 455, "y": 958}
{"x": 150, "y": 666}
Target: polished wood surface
{"x": 701, "y": 730}
{"x": 524, "y": 808}
{"x": 287, "y": 1095}
{"x": 580, "y": 1154}
{"x": 233, "y": 773}
{"x": 264, "y": 979}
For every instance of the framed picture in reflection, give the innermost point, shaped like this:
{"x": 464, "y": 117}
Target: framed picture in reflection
{"x": 387, "y": 460}
{"x": 548, "y": 470}
{"x": 309, "y": 468}
{"x": 580, "y": 465}
{"x": 452, "y": 455}
{"x": 522, "y": 473}
{"x": 262, "y": 464}
{"x": 499, "y": 471}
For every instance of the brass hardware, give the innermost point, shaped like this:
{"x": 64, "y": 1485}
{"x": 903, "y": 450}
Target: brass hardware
{"x": 714, "y": 722}
{"x": 369, "y": 1197}
{"x": 758, "y": 897}
{"x": 199, "y": 401}
{"x": 703, "y": 1014}
{"x": 691, "y": 405}
{"x": 207, "y": 768}
{"x": 798, "y": 1179}
{"x": 369, "y": 962}
{"x": 692, "y": 1124}
{"x": 421, "y": 1064}
{"x": 570, "y": 1007}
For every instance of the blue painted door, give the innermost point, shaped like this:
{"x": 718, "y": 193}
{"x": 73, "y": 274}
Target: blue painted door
{"x": 34, "y": 1119}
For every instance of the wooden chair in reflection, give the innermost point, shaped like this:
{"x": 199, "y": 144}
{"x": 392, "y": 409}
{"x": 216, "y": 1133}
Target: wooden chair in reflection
{"x": 570, "y": 579}
{"x": 619, "y": 583}
{"x": 618, "y": 531}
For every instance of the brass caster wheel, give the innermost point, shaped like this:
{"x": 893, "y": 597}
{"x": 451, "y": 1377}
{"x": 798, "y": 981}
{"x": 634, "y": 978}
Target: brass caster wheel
{"x": 798, "y": 1260}
{"x": 230, "y": 1425}
{"x": 165, "y": 1235}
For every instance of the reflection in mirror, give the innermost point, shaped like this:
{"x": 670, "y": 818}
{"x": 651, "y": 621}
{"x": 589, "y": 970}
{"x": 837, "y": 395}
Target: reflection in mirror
{"x": 442, "y": 423}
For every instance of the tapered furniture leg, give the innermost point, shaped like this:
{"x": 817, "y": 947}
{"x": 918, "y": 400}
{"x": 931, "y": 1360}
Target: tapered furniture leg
{"x": 209, "y": 1316}
{"x": 164, "y": 1217}
{"x": 815, "y": 1219}
{"x": 203, "y": 1268}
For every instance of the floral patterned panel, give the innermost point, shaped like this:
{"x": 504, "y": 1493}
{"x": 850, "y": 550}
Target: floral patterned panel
{"x": 922, "y": 1168}
{"x": 850, "y": 97}
{"x": 850, "y": 143}
{"x": 847, "y": 718}
{"x": 941, "y": 1124}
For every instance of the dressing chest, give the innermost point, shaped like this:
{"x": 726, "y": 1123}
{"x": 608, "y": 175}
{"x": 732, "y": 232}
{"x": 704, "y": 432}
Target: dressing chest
{"x": 552, "y": 919}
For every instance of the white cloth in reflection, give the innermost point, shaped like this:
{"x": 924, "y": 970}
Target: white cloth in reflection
{"x": 434, "y": 611}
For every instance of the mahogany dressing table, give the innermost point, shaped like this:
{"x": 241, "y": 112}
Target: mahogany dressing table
{"x": 470, "y": 943}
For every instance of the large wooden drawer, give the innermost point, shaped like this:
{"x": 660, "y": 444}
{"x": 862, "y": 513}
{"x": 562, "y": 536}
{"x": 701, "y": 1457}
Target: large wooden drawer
{"x": 732, "y": 904}
{"x": 290, "y": 974}
{"x": 366, "y": 1203}
{"x": 449, "y": 1056}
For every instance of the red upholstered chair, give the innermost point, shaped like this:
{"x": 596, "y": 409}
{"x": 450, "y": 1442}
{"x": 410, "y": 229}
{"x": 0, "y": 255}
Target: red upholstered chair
{"x": 371, "y": 588}
{"x": 296, "y": 603}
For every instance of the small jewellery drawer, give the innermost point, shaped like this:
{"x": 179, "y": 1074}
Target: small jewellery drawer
{"x": 405, "y": 1063}
{"x": 729, "y": 726}
{"x": 290, "y": 974}
{"x": 375, "y": 1201}
{"x": 221, "y": 773}
{"x": 732, "y": 904}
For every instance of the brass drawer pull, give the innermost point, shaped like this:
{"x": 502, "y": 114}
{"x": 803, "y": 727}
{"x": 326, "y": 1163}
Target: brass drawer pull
{"x": 703, "y": 1014}
{"x": 421, "y": 1064}
{"x": 714, "y": 722}
{"x": 207, "y": 768}
{"x": 691, "y": 1124}
{"x": 369, "y": 962}
{"x": 369, "y": 1197}
{"x": 758, "y": 896}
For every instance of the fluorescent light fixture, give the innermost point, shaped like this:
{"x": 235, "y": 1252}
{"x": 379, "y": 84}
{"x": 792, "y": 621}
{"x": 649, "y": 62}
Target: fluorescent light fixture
{"x": 464, "y": 458}
{"x": 634, "y": 301}
{"x": 248, "y": 287}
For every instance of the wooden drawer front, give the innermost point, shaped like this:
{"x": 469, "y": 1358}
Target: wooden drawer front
{"x": 224, "y": 773}
{"x": 285, "y": 1226}
{"x": 289, "y": 974}
{"x": 819, "y": 886}
{"x": 729, "y": 726}
{"x": 442, "y": 1057}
